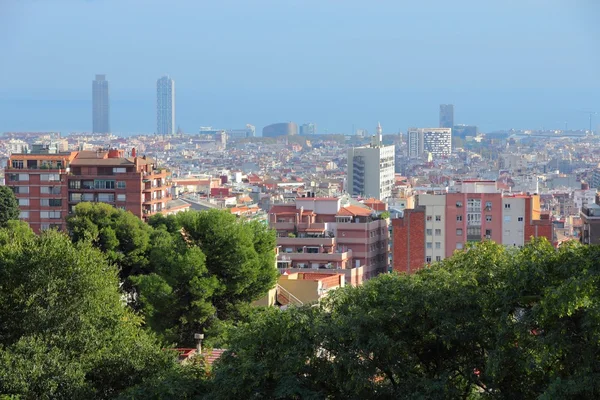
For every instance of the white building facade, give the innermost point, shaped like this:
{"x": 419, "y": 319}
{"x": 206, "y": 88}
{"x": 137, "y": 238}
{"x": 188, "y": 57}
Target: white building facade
{"x": 371, "y": 169}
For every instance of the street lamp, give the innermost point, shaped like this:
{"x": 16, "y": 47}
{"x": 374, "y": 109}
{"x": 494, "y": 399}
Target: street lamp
{"x": 199, "y": 337}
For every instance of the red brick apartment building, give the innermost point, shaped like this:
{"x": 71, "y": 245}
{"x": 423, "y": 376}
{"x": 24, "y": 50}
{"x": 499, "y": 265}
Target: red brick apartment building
{"x": 48, "y": 184}
{"x": 321, "y": 235}
{"x": 443, "y": 223}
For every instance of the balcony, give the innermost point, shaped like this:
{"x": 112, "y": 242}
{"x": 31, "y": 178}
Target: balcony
{"x": 315, "y": 257}
{"x": 300, "y": 242}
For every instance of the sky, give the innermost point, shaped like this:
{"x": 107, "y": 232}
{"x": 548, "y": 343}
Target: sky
{"x": 341, "y": 64}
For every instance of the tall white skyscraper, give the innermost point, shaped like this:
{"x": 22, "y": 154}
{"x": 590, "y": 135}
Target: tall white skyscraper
{"x": 165, "y": 106}
{"x": 371, "y": 169}
{"x": 100, "y": 105}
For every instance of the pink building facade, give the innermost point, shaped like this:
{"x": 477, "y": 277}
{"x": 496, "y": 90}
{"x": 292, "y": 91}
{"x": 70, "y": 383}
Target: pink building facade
{"x": 472, "y": 217}
{"x": 321, "y": 235}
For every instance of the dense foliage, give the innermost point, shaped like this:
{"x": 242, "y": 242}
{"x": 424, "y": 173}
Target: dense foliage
{"x": 486, "y": 323}
{"x": 185, "y": 273}
{"x": 64, "y": 331}
{"x": 9, "y": 206}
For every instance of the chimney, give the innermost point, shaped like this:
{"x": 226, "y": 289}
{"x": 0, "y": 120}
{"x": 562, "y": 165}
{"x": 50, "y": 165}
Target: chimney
{"x": 133, "y": 152}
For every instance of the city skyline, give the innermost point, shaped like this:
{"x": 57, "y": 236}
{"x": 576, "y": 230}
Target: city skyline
{"x": 496, "y": 78}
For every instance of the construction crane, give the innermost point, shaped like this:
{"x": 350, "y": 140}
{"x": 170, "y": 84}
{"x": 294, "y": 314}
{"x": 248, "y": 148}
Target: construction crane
{"x": 591, "y": 113}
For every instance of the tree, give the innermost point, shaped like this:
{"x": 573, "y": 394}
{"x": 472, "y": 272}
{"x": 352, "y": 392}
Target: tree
{"x": 123, "y": 237}
{"x": 488, "y": 322}
{"x": 240, "y": 254}
{"x": 9, "y": 206}
{"x": 175, "y": 297}
{"x": 64, "y": 331}
{"x": 184, "y": 273}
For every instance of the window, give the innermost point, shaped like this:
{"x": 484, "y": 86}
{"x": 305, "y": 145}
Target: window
{"x": 17, "y": 164}
{"x": 18, "y": 177}
{"x": 24, "y": 215}
{"x": 428, "y": 259}
{"x": 438, "y": 232}
{"x": 20, "y": 189}
{"x": 438, "y": 218}
{"x": 428, "y": 218}
{"x": 459, "y": 218}
{"x": 438, "y": 245}
{"x": 458, "y": 204}
{"x": 507, "y": 205}
{"x": 429, "y": 232}
{"x": 104, "y": 184}
{"x": 23, "y": 202}
{"x": 459, "y": 246}
{"x": 438, "y": 258}
{"x": 520, "y": 219}
{"x": 121, "y": 197}
{"x": 474, "y": 205}
{"x": 106, "y": 197}
{"x": 459, "y": 232}
{"x": 488, "y": 233}
{"x": 50, "y": 214}
{"x": 51, "y": 202}
{"x": 119, "y": 170}
{"x": 50, "y": 177}
{"x": 488, "y": 218}
{"x": 507, "y": 218}
{"x": 428, "y": 245}
{"x": 74, "y": 184}
{"x": 120, "y": 184}
{"x": 50, "y": 189}
{"x": 488, "y": 205}
{"x": 87, "y": 184}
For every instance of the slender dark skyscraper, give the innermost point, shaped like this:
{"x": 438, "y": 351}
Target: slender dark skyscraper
{"x": 446, "y": 116}
{"x": 165, "y": 106}
{"x": 100, "y": 105}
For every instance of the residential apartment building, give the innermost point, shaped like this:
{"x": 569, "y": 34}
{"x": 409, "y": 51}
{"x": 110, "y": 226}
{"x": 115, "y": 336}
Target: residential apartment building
{"x": 434, "y": 141}
{"x": 371, "y": 169}
{"x": 445, "y": 222}
{"x": 321, "y": 234}
{"x": 590, "y": 227}
{"x": 49, "y": 184}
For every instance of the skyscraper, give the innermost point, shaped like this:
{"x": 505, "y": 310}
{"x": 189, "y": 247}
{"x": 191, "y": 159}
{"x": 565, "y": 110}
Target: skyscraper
{"x": 371, "y": 169}
{"x": 165, "y": 106}
{"x": 100, "y": 105}
{"x": 446, "y": 116}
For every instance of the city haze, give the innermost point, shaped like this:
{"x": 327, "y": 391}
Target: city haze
{"x": 513, "y": 64}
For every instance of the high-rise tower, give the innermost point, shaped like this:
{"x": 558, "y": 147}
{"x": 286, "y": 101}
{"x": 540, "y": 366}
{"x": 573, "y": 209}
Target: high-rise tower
{"x": 100, "y": 105}
{"x": 165, "y": 106}
{"x": 447, "y": 116}
{"x": 371, "y": 169}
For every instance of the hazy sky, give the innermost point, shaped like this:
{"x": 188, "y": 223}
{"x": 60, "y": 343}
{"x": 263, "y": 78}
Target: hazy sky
{"x": 503, "y": 63}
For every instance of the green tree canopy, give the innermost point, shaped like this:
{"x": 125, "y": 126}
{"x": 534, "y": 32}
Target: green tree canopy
{"x": 9, "y": 206}
{"x": 489, "y": 322}
{"x": 184, "y": 273}
{"x": 64, "y": 330}
{"x": 123, "y": 237}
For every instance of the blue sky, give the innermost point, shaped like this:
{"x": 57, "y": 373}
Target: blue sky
{"x": 504, "y": 64}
